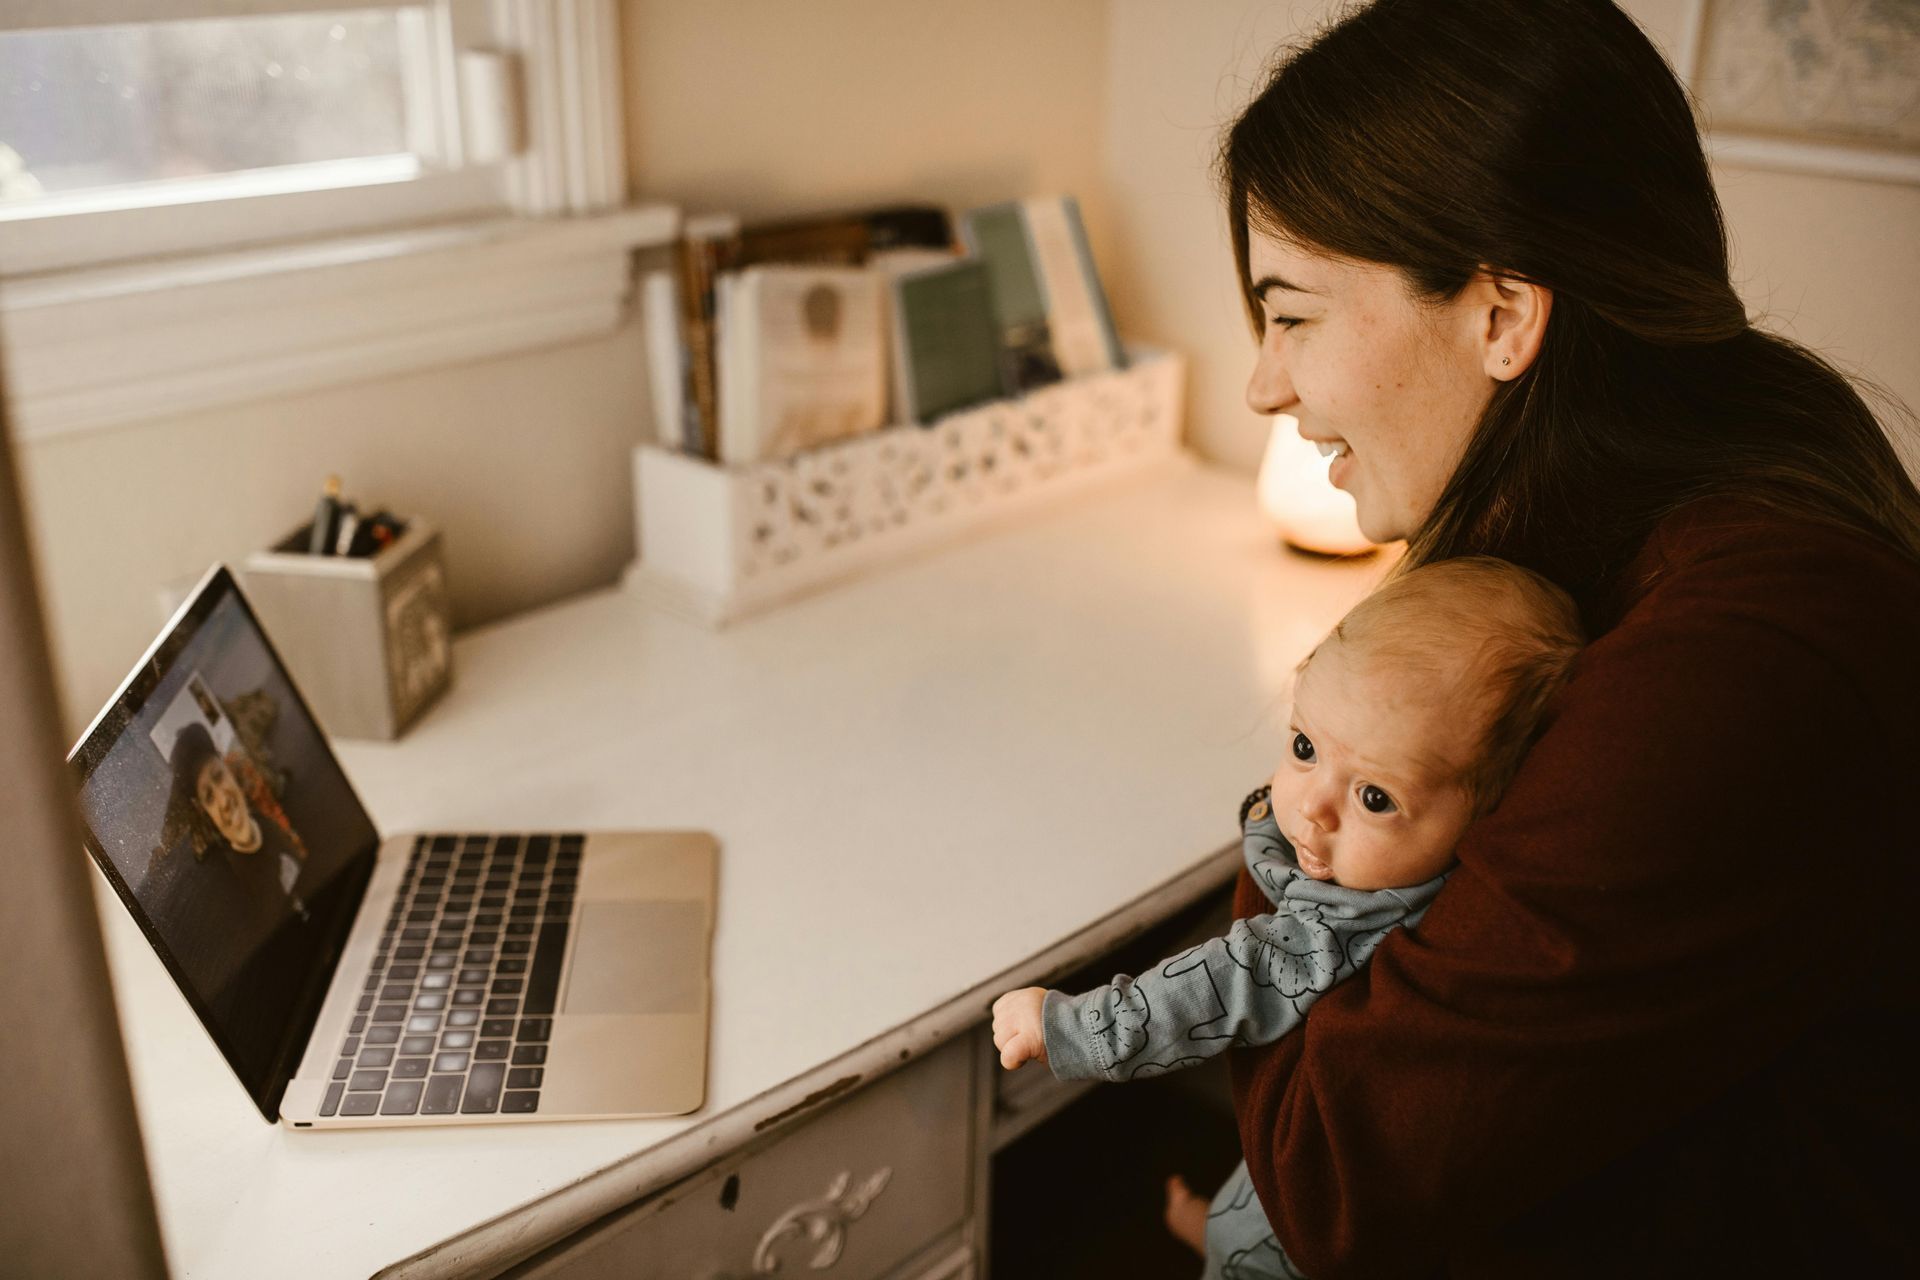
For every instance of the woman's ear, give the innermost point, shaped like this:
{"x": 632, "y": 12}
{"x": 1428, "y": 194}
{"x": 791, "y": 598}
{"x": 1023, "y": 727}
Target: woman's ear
{"x": 1510, "y": 323}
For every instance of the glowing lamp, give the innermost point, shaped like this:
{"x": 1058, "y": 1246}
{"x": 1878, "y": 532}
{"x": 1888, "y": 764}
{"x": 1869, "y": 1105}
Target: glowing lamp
{"x": 1296, "y": 495}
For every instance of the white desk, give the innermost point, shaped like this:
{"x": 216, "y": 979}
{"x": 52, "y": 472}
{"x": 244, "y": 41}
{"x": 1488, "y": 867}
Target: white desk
{"x": 927, "y": 785}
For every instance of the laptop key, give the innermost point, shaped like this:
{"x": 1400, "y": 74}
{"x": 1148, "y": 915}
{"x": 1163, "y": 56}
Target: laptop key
{"x": 403, "y": 972}
{"x": 410, "y": 1069}
{"x": 360, "y": 1104}
{"x": 417, "y": 1044}
{"x": 343, "y": 1068}
{"x": 442, "y": 960}
{"x": 396, "y": 991}
{"x": 497, "y": 1027}
{"x": 403, "y": 1098}
{"x": 511, "y": 964}
{"x": 503, "y": 1006}
{"x": 456, "y": 1040}
{"x": 436, "y": 981}
{"x": 463, "y": 1017}
{"x": 535, "y": 1028}
{"x": 385, "y": 1033}
{"x": 452, "y": 1062}
{"x": 492, "y": 1051}
{"x": 525, "y": 1077}
{"x": 376, "y": 1057}
{"x": 358, "y": 1024}
{"x": 351, "y": 1047}
{"x": 520, "y": 1102}
{"x": 469, "y": 996}
{"x": 548, "y": 956}
{"x": 330, "y": 1104}
{"x": 430, "y": 1000}
{"x": 375, "y": 1080}
{"x": 506, "y": 986}
{"x": 424, "y": 1022}
{"x": 442, "y": 1096}
{"x": 529, "y": 1055}
{"x": 389, "y": 1013}
{"x": 472, "y": 978}
{"x": 516, "y": 947}
{"x": 483, "y": 1088}
{"x": 411, "y": 950}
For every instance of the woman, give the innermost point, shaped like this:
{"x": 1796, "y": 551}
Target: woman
{"x": 1648, "y": 1027}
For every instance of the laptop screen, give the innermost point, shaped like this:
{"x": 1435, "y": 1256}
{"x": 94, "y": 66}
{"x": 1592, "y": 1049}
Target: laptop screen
{"x": 216, "y": 809}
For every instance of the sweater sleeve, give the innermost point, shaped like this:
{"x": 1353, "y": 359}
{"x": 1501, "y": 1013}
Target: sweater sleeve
{"x": 1628, "y": 935}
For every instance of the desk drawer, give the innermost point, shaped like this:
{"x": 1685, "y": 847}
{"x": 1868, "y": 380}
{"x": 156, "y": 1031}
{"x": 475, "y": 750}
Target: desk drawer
{"x": 879, "y": 1176}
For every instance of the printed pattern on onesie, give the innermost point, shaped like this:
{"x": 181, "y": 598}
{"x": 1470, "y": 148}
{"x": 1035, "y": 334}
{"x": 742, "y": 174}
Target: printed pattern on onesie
{"x": 1251, "y": 986}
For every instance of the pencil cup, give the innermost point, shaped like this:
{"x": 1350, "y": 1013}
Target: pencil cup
{"x": 366, "y": 637}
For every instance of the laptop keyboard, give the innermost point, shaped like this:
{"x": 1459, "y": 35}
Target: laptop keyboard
{"x": 458, "y": 1008}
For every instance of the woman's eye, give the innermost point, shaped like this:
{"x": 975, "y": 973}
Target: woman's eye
{"x": 1283, "y": 322}
{"x": 1302, "y": 749}
{"x": 1374, "y": 800}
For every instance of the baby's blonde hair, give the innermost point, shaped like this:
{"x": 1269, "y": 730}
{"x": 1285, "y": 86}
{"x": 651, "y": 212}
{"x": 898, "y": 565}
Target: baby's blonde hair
{"x": 1501, "y": 635}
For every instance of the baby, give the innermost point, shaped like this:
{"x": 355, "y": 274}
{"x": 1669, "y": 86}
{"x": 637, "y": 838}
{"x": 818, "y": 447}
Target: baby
{"x": 1407, "y": 722}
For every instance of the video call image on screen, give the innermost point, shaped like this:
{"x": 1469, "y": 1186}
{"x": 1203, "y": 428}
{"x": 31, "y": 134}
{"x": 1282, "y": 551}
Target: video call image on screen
{"x": 227, "y": 818}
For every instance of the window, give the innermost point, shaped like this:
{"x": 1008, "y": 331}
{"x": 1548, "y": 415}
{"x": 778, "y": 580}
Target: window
{"x": 140, "y": 139}
{"x": 235, "y": 229}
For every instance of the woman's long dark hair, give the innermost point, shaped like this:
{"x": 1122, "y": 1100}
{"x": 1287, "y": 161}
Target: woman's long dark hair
{"x": 1548, "y": 141}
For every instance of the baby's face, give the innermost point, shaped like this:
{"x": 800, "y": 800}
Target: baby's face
{"x": 1369, "y": 792}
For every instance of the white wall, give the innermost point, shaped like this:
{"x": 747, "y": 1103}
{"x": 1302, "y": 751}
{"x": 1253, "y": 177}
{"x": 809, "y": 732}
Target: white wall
{"x": 520, "y": 461}
{"x": 1832, "y": 262}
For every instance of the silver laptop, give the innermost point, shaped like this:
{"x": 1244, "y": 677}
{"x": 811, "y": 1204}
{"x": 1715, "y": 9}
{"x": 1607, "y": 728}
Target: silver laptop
{"x": 477, "y": 977}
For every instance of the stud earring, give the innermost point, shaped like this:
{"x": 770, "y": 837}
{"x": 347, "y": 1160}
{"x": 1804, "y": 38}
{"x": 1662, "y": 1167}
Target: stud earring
{"x": 1505, "y": 361}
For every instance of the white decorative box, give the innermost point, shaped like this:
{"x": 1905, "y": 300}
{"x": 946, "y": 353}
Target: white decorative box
{"x": 720, "y": 543}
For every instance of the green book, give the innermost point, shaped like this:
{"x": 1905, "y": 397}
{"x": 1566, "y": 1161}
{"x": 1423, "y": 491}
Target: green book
{"x": 946, "y": 340}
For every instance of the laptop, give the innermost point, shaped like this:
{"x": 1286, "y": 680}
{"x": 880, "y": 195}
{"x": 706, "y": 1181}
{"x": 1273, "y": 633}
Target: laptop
{"x": 351, "y": 980}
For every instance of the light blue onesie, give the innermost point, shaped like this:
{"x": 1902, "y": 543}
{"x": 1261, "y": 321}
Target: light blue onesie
{"x": 1251, "y": 987}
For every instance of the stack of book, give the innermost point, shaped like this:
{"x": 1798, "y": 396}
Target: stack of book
{"x": 770, "y": 340}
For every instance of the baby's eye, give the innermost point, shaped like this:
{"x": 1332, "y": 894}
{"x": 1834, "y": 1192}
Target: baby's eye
{"x": 1302, "y": 748}
{"x": 1374, "y": 800}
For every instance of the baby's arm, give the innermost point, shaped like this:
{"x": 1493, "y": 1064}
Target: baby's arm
{"x": 1250, "y": 987}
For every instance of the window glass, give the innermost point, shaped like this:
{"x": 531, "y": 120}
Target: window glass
{"x": 93, "y": 109}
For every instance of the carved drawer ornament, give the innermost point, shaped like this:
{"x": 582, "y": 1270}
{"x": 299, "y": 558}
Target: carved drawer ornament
{"x": 822, "y": 1222}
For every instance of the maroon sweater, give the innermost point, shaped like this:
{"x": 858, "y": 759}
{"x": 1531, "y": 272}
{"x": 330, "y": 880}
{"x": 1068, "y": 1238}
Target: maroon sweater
{"x": 1650, "y": 1026}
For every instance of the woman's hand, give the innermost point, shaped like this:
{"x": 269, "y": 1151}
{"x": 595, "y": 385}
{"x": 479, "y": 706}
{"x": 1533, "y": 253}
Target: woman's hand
{"x": 1016, "y": 1027}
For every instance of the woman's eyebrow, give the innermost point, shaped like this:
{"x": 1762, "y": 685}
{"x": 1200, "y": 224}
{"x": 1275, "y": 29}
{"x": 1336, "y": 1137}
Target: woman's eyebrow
{"x": 1265, "y": 283}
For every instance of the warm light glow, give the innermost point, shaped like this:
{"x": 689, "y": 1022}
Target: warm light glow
{"x": 1294, "y": 492}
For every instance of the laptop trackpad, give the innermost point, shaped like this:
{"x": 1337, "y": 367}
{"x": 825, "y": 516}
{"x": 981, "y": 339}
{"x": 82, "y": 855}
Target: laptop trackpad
{"x": 638, "y": 957}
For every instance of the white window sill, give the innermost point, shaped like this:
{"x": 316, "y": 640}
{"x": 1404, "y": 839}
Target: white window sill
{"x": 112, "y": 346}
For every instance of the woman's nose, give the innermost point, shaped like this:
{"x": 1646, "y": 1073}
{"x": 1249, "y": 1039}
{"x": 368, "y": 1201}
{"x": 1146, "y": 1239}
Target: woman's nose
{"x": 1270, "y": 389}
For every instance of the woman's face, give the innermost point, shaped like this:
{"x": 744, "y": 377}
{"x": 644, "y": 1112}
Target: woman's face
{"x": 1396, "y": 383}
{"x": 220, "y": 797}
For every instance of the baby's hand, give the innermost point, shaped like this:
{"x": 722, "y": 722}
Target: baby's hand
{"x": 1016, "y": 1027}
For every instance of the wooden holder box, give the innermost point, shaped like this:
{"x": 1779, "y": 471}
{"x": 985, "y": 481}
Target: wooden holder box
{"x": 721, "y": 543}
{"x": 366, "y": 638}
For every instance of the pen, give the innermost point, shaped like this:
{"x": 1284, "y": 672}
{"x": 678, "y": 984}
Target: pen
{"x": 326, "y": 517}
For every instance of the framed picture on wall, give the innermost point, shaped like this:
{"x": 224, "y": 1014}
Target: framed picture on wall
{"x": 1818, "y": 86}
